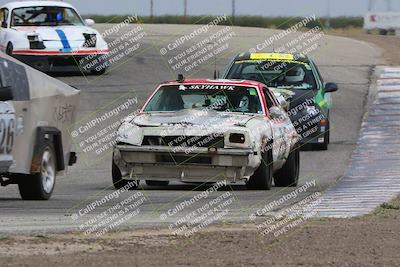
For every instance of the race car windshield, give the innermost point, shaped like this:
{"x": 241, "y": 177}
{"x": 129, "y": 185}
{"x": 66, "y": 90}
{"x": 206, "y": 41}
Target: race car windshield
{"x": 222, "y": 98}
{"x": 45, "y": 16}
{"x": 278, "y": 74}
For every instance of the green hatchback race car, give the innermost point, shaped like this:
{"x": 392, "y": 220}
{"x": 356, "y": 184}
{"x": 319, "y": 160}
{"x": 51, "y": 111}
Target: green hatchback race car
{"x": 296, "y": 77}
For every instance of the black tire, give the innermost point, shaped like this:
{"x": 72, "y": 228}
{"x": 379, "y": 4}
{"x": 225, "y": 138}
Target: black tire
{"x": 9, "y": 49}
{"x": 262, "y": 177}
{"x": 40, "y": 186}
{"x": 117, "y": 180}
{"x": 98, "y": 72}
{"x": 157, "y": 183}
{"x": 383, "y": 32}
{"x": 288, "y": 175}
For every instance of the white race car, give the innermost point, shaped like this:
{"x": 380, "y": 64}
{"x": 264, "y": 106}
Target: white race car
{"x": 51, "y": 36}
{"x": 208, "y": 131}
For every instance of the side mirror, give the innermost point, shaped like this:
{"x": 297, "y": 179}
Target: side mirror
{"x": 284, "y": 104}
{"x": 6, "y": 93}
{"x": 89, "y": 22}
{"x": 4, "y": 24}
{"x": 283, "y": 101}
{"x": 331, "y": 87}
{"x": 276, "y": 113}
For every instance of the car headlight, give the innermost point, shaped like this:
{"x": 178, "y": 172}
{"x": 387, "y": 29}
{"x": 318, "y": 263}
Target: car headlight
{"x": 35, "y": 41}
{"x": 130, "y": 133}
{"x": 237, "y": 139}
{"x": 90, "y": 40}
{"x": 34, "y": 38}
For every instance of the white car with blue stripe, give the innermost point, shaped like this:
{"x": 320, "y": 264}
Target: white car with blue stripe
{"x": 51, "y": 36}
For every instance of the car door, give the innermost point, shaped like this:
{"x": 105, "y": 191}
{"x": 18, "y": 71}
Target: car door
{"x": 279, "y": 124}
{"x": 284, "y": 129}
{"x": 7, "y": 122}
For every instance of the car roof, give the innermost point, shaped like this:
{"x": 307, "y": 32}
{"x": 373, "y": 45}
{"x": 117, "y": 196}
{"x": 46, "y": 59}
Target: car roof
{"x": 216, "y": 82}
{"x": 271, "y": 56}
{"x": 18, "y": 4}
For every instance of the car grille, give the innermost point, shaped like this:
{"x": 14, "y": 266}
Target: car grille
{"x": 176, "y": 159}
{"x": 184, "y": 141}
{"x": 63, "y": 61}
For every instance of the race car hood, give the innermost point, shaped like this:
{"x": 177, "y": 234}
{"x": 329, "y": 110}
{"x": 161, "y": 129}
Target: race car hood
{"x": 302, "y": 96}
{"x": 50, "y": 33}
{"x": 192, "y": 118}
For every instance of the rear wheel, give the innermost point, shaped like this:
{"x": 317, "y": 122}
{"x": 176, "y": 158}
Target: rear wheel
{"x": 289, "y": 174}
{"x": 117, "y": 180}
{"x": 9, "y": 49}
{"x": 157, "y": 183}
{"x": 40, "y": 186}
{"x": 262, "y": 178}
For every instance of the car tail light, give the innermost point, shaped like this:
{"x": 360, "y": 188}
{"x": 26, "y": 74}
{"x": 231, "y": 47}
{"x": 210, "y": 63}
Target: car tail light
{"x": 324, "y": 122}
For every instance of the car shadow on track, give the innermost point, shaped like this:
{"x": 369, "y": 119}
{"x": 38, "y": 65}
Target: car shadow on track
{"x": 71, "y": 74}
{"x": 192, "y": 187}
{"x": 2, "y": 199}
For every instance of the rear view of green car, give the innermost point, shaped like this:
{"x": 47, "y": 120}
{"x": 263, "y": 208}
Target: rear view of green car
{"x": 297, "y": 78}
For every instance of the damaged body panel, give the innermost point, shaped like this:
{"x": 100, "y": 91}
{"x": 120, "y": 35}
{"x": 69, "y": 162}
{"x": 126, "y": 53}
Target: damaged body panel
{"x": 204, "y": 131}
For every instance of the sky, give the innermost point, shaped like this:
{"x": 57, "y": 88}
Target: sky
{"x": 243, "y": 7}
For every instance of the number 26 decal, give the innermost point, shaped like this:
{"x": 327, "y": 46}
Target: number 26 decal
{"x": 7, "y": 131}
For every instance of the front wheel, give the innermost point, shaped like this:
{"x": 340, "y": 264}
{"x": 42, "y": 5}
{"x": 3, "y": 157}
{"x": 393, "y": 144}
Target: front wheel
{"x": 9, "y": 49}
{"x": 118, "y": 182}
{"x": 262, "y": 177}
{"x": 288, "y": 175}
{"x": 40, "y": 186}
{"x": 383, "y": 32}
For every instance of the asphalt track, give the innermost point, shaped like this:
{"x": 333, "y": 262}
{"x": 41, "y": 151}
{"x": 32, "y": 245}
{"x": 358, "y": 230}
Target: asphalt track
{"x": 342, "y": 60}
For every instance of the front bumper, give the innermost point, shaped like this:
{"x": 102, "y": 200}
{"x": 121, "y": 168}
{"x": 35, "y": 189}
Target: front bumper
{"x": 191, "y": 165}
{"x": 311, "y": 128}
{"x": 65, "y": 63}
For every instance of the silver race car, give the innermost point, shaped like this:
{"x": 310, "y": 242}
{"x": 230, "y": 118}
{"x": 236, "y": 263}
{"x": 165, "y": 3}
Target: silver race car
{"x": 36, "y": 112}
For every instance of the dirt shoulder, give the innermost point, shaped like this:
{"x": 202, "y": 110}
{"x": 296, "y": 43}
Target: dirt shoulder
{"x": 389, "y": 44}
{"x": 372, "y": 240}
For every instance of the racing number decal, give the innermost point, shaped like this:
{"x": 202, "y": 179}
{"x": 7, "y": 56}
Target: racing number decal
{"x": 7, "y": 131}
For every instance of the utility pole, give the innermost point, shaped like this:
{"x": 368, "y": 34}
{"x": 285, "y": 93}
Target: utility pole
{"x": 370, "y": 5}
{"x": 233, "y": 11}
{"x": 151, "y": 10}
{"x": 389, "y": 5}
{"x": 328, "y": 18}
{"x": 184, "y": 10}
